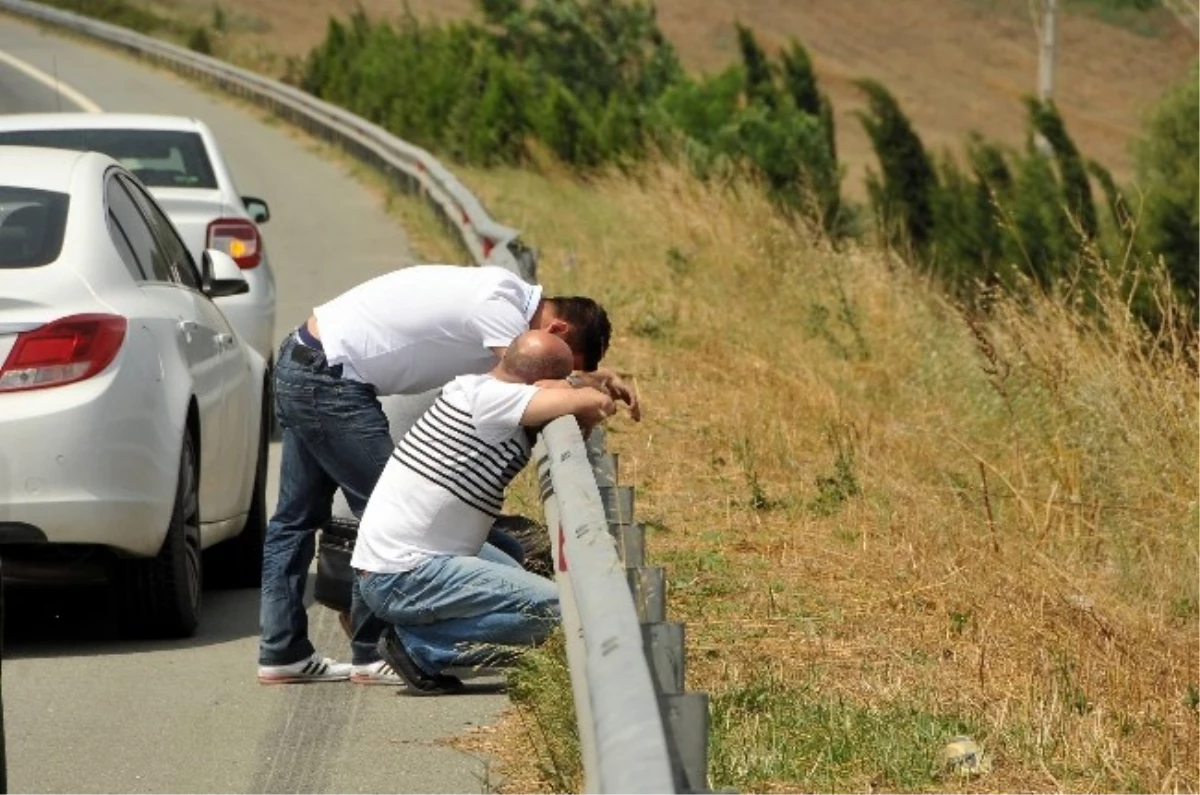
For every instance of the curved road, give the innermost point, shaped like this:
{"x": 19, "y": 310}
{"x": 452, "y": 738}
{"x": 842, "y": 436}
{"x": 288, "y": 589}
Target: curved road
{"x": 85, "y": 712}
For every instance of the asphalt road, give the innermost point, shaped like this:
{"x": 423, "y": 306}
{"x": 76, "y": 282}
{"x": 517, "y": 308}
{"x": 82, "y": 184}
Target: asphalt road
{"x": 86, "y": 712}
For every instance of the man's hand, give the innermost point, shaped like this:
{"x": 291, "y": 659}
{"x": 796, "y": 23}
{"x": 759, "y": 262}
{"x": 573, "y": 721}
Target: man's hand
{"x": 593, "y": 407}
{"x": 614, "y": 386}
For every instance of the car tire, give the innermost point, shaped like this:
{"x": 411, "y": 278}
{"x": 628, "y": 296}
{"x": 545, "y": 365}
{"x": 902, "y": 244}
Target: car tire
{"x": 162, "y": 596}
{"x": 237, "y": 563}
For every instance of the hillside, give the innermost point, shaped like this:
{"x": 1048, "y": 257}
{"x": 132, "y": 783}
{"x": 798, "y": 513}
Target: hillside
{"x": 955, "y": 65}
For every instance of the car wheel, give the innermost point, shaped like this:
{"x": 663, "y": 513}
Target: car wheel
{"x": 162, "y": 595}
{"x": 237, "y": 563}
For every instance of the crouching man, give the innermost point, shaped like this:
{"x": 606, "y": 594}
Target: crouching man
{"x": 449, "y": 599}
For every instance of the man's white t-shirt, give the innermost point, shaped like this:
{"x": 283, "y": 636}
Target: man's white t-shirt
{"x": 445, "y": 482}
{"x": 416, "y": 328}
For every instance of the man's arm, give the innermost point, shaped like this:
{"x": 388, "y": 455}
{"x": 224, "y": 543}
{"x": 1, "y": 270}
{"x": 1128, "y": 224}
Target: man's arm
{"x": 589, "y": 406}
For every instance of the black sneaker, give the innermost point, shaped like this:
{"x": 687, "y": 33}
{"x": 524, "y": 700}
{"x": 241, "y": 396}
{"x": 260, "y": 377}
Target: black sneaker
{"x": 421, "y": 683}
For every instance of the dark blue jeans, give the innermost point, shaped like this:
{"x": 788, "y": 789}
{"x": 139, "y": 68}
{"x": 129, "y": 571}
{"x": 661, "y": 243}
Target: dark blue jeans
{"x": 335, "y": 434}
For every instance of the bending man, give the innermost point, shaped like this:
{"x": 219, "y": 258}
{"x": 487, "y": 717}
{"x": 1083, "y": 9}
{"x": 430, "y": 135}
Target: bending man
{"x": 422, "y": 566}
{"x": 401, "y": 333}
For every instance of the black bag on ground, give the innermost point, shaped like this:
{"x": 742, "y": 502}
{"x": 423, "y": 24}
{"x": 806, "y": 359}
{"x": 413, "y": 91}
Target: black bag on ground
{"x": 335, "y": 546}
{"x": 335, "y": 577}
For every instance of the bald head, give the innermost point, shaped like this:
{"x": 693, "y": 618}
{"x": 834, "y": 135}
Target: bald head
{"x": 537, "y": 356}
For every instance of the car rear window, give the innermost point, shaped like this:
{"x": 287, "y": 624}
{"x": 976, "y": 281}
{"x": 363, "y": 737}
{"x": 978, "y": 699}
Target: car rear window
{"x": 159, "y": 158}
{"x": 31, "y": 226}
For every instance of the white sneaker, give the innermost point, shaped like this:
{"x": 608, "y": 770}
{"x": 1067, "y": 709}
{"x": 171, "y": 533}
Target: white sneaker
{"x": 314, "y": 669}
{"x": 376, "y": 673}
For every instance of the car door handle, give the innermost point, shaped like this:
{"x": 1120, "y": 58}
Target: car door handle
{"x": 188, "y": 326}
{"x": 225, "y": 340}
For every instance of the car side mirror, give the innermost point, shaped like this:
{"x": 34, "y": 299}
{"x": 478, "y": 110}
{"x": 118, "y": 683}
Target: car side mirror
{"x": 220, "y": 276}
{"x": 257, "y": 208}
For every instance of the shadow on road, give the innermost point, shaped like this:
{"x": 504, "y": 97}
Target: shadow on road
{"x": 78, "y": 621}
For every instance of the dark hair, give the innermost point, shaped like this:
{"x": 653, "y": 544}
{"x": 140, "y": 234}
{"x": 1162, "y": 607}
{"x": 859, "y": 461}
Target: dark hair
{"x": 590, "y": 330}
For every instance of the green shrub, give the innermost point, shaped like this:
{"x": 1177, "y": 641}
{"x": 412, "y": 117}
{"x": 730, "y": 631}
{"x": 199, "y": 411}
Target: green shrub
{"x": 118, "y": 12}
{"x": 199, "y": 41}
{"x": 1168, "y": 160}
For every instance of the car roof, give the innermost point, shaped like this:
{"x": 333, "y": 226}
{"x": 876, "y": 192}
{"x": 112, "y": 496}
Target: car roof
{"x": 99, "y": 121}
{"x": 44, "y": 169}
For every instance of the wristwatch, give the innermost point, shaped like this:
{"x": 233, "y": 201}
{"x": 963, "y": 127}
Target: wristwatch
{"x": 575, "y": 381}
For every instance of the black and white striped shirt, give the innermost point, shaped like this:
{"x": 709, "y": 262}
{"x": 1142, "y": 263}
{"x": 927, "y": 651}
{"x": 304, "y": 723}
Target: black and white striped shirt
{"x": 445, "y": 482}
{"x": 445, "y": 448}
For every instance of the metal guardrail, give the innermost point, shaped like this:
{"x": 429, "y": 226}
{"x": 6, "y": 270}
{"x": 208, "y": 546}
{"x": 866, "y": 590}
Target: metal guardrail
{"x": 639, "y": 731}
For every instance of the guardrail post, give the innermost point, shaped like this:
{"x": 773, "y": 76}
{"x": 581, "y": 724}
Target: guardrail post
{"x": 605, "y": 469}
{"x": 686, "y": 715}
{"x": 631, "y": 543}
{"x": 618, "y": 503}
{"x": 649, "y": 586}
{"x": 664, "y": 649}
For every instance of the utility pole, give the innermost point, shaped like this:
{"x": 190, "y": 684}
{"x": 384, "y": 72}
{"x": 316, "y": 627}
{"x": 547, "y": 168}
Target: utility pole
{"x": 1046, "y": 64}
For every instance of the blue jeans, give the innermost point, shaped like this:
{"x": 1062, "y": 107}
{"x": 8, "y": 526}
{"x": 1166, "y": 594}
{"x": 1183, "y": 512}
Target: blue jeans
{"x": 457, "y": 611}
{"x": 335, "y": 434}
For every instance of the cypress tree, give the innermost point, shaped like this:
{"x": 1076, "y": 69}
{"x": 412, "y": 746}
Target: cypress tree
{"x": 760, "y": 82}
{"x": 1118, "y": 205}
{"x": 1077, "y": 191}
{"x": 903, "y": 194}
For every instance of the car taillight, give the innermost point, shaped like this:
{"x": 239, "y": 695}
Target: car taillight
{"x": 238, "y": 238}
{"x": 67, "y": 350}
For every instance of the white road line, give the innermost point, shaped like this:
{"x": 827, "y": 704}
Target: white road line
{"x": 54, "y": 84}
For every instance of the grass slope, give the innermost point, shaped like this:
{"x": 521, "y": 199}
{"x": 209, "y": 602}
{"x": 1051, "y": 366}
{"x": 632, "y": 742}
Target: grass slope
{"x": 886, "y": 523}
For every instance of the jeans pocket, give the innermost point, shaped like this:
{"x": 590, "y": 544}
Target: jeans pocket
{"x": 352, "y": 408}
{"x": 295, "y": 405}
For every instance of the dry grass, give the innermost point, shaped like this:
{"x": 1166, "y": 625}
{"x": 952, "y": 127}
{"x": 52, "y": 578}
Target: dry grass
{"x": 866, "y": 501}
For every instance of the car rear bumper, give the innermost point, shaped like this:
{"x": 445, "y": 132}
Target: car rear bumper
{"x": 89, "y": 463}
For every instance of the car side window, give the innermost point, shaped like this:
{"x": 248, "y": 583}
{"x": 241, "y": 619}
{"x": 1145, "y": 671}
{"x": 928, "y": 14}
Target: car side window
{"x": 128, "y": 225}
{"x": 177, "y": 253}
{"x": 117, "y": 233}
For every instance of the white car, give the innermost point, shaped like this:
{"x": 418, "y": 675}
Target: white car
{"x": 132, "y": 432}
{"x": 178, "y": 159}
